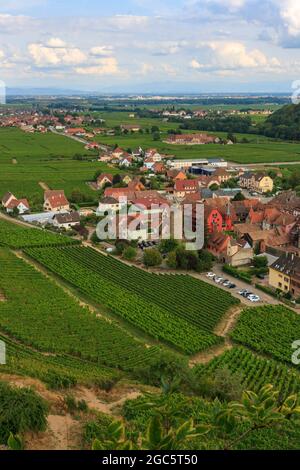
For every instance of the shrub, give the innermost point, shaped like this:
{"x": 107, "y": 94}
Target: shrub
{"x": 152, "y": 257}
{"x": 129, "y": 253}
{"x": 21, "y": 410}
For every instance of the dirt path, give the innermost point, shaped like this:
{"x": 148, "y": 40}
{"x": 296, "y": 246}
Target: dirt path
{"x": 222, "y": 329}
{"x": 64, "y": 432}
{"x": 44, "y": 186}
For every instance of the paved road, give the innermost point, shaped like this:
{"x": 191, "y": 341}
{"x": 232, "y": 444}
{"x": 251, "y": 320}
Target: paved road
{"x": 255, "y": 165}
{"x": 105, "y": 148}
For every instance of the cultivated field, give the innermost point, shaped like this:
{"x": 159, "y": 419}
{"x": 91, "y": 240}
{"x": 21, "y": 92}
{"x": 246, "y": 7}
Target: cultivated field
{"x": 156, "y": 304}
{"x": 40, "y": 314}
{"x": 270, "y": 330}
{"x": 255, "y": 371}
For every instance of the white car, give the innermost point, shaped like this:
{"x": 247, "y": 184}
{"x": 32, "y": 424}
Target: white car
{"x": 254, "y": 298}
{"x": 218, "y": 280}
{"x": 226, "y": 283}
{"x": 210, "y": 275}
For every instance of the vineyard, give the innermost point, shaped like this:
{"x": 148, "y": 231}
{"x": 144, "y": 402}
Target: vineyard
{"x": 254, "y": 371}
{"x": 177, "y": 309}
{"x": 270, "y": 330}
{"x": 38, "y": 313}
{"x": 56, "y": 371}
{"x": 15, "y": 236}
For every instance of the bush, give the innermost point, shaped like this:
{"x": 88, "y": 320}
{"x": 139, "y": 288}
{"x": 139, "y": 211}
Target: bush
{"x": 21, "y": 410}
{"x": 172, "y": 260}
{"x": 152, "y": 257}
{"x": 129, "y": 253}
{"x": 242, "y": 275}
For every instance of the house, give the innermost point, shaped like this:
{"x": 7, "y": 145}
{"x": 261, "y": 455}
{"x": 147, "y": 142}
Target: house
{"x": 77, "y": 131}
{"x": 21, "y": 205}
{"x": 56, "y": 201}
{"x": 213, "y": 219}
{"x": 136, "y": 185}
{"x": 284, "y": 274}
{"x": 117, "y": 153}
{"x": 7, "y": 198}
{"x": 66, "y": 221}
{"x": 92, "y": 146}
{"x": 239, "y": 252}
{"x": 126, "y": 161}
{"x": 258, "y": 182}
{"x": 130, "y": 127}
{"x": 175, "y": 175}
{"x": 109, "y": 204}
{"x": 117, "y": 193}
{"x": 184, "y": 187}
{"x": 104, "y": 179}
{"x": 159, "y": 168}
{"x": 192, "y": 139}
{"x": 217, "y": 244}
{"x": 126, "y": 179}
{"x": 154, "y": 155}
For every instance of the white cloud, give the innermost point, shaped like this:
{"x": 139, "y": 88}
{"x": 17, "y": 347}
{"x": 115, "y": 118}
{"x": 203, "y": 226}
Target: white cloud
{"x": 101, "y": 50}
{"x": 107, "y": 66}
{"x": 290, "y": 13}
{"x": 128, "y": 21}
{"x": 56, "y": 43}
{"x": 233, "y": 55}
{"x": 55, "y": 53}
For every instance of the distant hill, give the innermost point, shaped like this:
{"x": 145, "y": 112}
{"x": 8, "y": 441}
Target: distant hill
{"x": 283, "y": 124}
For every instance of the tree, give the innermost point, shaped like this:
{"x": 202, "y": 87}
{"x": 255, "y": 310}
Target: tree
{"x": 129, "y": 253}
{"x": 152, "y": 257}
{"x": 239, "y": 197}
{"x": 156, "y": 136}
{"x": 260, "y": 262}
{"x": 116, "y": 179}
{"x": 214, "y": 187}
{"x": 168, "y": 245}
{"x": 77, "y": 196}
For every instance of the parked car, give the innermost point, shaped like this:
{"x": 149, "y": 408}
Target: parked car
{"x": 218, "y": 280}
{"x": 254, "y": 298}
{"x": 210, "y": 275}
{"x": 232, "y": 286}
{"x": 226, "y": 283}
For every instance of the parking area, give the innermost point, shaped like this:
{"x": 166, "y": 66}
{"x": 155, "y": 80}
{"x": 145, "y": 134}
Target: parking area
{"x": 239, "y": 286}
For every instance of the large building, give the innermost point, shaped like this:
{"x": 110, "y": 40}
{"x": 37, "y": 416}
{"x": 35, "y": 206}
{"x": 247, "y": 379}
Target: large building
{"x": 257, "y": 182}
{"x": 284, "y": 274}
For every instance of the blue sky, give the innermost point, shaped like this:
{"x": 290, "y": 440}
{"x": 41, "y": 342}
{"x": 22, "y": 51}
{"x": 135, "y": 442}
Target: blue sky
{"x": 183, "y": 45}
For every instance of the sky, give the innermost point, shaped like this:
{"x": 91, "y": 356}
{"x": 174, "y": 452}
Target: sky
{"x": 151, "y": 45}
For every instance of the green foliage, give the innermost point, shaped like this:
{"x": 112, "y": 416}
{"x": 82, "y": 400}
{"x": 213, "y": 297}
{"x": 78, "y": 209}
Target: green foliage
{"x": 152, "y": 257}
{"x": 242, "y": 275}
{"x": 270, "y": 329}
{"x": 161, "y": 311}
{"x": 283, "y": 124}
{"x": 15, "y": 442}
{"x": 253, "y": 372}
{"x": 15, "y": 236}
{"x": 130, "y": 253}
{"x": 172, "y": 260}
{"x": 21, "y": 410}
{"x": 260, "y": 262}
{"x": 168, "y": 245}
{"x": 45, "y": 317}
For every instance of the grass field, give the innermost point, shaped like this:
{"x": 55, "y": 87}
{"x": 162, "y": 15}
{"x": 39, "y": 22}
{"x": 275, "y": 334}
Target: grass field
{"x": 258, "y": 150}
{"x": 44, "y": 158}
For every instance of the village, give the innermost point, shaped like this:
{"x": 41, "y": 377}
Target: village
{"x": 245, "y": 217}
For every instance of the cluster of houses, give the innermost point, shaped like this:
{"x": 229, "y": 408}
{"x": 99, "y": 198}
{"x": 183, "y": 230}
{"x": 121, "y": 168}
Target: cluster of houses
{"x": 57, "y": 211}
{"x": 192, "y": 139}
